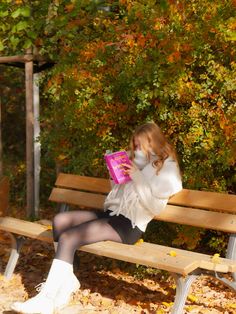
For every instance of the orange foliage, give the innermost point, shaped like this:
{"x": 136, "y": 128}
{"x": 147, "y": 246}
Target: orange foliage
{"x": 174, "y": 57}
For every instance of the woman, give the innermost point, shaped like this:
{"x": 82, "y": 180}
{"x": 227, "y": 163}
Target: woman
{"x": 127, "y": 211}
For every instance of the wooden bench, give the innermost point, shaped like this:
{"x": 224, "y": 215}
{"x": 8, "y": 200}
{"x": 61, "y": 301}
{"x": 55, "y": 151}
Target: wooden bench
{"x": 18, "y": 229}
{"x": 4, "y": 198}
{"x": 208, "y": 210}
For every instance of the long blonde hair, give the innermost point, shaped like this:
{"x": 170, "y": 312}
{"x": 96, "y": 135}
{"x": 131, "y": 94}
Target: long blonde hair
{"x": 150, "y": 135}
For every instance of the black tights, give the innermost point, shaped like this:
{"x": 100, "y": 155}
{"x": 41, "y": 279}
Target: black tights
{"x": 76, "y": 228}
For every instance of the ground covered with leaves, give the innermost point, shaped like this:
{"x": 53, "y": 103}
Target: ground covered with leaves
{"x": 108, "y": 286}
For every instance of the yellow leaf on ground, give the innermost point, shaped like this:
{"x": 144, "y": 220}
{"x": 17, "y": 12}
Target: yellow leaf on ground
{"x": 191, "y": 309}
{"x": 192, "y": 298}
{"x": 84, "y": 300}
{"x": 167, "y": 304}
{"x": 233, "y": 305}
{"x": 106, "y": 302}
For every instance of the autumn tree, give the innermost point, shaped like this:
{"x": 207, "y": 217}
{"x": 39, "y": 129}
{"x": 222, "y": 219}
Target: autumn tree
{"x": 121, "y": 63}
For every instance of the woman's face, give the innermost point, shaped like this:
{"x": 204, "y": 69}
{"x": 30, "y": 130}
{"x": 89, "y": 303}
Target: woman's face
{"x": 141, "y": 144}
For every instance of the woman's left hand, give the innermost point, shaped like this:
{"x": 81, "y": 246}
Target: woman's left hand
{"x": 130, "y": 168}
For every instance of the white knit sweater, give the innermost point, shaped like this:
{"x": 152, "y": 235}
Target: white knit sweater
{"x": 146, "y": 195}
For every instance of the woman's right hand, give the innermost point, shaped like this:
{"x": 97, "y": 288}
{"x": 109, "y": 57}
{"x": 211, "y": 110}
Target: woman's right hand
{"x": 130, "y": 168}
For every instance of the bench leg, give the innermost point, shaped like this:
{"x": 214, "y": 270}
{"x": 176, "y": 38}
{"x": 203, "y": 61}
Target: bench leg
{"x": 231, "y": 250}
{"x": 15, "y": 252}
{"x": 183, "y": 285}
{"x": 63, "y": 208}
{"x": 227, "y": 282}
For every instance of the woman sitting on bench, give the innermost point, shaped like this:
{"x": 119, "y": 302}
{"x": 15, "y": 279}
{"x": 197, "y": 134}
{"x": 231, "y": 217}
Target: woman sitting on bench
{"x": 128, "y": 209}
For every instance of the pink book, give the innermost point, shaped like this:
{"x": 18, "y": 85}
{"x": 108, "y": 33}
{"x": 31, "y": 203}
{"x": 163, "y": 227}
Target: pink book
{"x": 115, "y": 166}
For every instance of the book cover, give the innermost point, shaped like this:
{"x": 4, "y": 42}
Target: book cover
{"x": 115, "y": 164}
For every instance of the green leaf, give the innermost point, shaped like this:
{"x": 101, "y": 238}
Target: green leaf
{"x": 4, "y": 13}
{"x": 231, "y": 36}
{"x": 1, "y": 46}
{"x": 14, "y": 41}
{"x": 28, "y": 43}
{"x": 164, "y": 4}
{"x": 21, "y": 26}
{"x": 26, "y": 12}
{"x": 3, "y": 27}
{"x": 32, "y": 34}
{"x": 16, "y": 13}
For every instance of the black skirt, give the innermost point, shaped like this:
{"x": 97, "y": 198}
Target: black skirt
{"x": 123, "y": 227}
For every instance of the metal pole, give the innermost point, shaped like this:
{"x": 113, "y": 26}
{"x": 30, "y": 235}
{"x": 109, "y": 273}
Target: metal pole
{"x": 37, "y": 146}
{"x": 29, "y": 139}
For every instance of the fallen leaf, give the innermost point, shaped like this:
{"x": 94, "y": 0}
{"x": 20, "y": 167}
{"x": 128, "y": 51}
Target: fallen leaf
{"x": 233, "y": 305}
{"x": 192, "y": 298}
{"x": 167, "y": 304}
{"x": 172, "y": 253}
{"x": 191, "y": 309}
{"x": 140, "y": 241}
{"x": 216, "y": 258}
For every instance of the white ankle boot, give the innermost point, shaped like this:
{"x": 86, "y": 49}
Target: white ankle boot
{"x": 63, "y": 296}
{"x": 70, "y": 286}
{"x": 44, "y": 302}
{"x": 39, "y": 304}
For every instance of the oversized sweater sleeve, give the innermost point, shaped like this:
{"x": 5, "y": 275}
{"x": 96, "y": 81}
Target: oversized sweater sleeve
{"x": 154, "y": 191}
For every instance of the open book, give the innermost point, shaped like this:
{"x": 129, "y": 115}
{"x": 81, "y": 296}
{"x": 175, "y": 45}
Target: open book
{"x": 115, "y": 164}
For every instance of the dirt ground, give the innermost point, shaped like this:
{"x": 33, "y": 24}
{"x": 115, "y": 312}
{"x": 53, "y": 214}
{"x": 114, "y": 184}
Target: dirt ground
{"x": 108, "y": 286}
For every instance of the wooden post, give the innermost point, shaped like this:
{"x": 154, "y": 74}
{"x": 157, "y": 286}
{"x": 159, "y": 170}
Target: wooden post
{"x": 4, "y": 196}
{"x": 1, "y": 167}
{"x": 32, "y": 148}
{"x": 29, "y": 139}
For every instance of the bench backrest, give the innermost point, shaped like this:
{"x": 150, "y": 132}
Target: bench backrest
{"x": 209, "y": 210}
{"x": 4, "y": 195}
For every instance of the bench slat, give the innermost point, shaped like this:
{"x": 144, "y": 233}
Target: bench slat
{"x": 25, "y": 228}
{"x": 189, "y": 198}
{"x": 4, "y": 195}
{"x": 199, "y": 218}
{"x": 90, "y": 184}
{"x": 176, "y": 214}
{"x": 224, "y": 264}
{"x": 142, "y": 255}
{"x": 148, "y": 254}
{"x": 205, "y": 200}
{"x": 78, "y": 198}
{"x": 158, "y": 256}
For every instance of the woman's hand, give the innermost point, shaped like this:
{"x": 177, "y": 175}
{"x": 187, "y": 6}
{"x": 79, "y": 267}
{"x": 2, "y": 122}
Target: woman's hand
{"x": 130, "y": 168}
